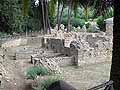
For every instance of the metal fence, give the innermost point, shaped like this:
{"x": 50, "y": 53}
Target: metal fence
{"x": 107, "y": 86}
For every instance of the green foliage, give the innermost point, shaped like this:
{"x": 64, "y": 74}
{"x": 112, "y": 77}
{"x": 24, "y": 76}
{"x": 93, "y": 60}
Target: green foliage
{"x": 87, "y": 25}
{"x": 64, "y": 21}
{"x": 109, "y": 12}
{"x": 79, "y": 13}
{"x": 77, "y": 22}
{"x": 52, "y": 21}
{"x": 52, "y": 7}
{"x": 91, "y": 13}
{"x": 12, "y": 12}
{"x": 100, "y": 22}
{"x": 25, "y": 7}
{"x": 44, "y": 84}
{"x": 73, "y": 29}
{"x": 2, "y": 34}
{"x": 32, "y": 72}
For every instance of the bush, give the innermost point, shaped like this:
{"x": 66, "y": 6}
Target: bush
{"x": 32, "y": 72}
{"x": 87, "y": 25}
{"x": 44, "y": 84}
{"x": 73, "y": 29}
{"x": 64, "y": 21}
{"x": 109, "y": 12}
{"x": 52, "y": 21}
{"x": 77, "y": 22}
{"x": 2, "y": 35}
{"x": 100, "y": 22}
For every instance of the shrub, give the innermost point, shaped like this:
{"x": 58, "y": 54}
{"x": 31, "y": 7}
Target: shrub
{"x": 109, "y": 12}
{"x": 52, "y": 21}
{"x": 100, "y": 22}
{"x": 2, "y": 35}
{"x": 64, "y": 21}
{"x": 44, "y": 84}
{"x": 87, "y": 25}
{"x": 77, "y": 22}
{"x": 32, "y": 72}
{"x": 73, "y": 29}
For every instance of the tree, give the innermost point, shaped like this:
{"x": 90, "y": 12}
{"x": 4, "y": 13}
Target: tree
{"x": 11, "y": 13}
{"x": 115, "y": 67}
{"x": 69, "y": 14}
{"x": 42, "y": 10}
{"x": 63, "y": 2}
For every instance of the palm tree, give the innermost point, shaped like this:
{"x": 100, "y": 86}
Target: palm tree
{"x": 115, "y": 67}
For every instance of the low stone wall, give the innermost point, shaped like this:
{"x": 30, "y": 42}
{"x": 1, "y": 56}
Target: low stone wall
{"x": 63, "y": 61}
{"x": 34, "y": 40}
{"x": 22, "y": 42}
{"x": 57, "y": 45}
{"x": 26, "y": 52}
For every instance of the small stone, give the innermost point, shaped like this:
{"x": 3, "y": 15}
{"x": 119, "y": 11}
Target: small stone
{"x": 8, "y": 80}
{"x": 15, "y": 84}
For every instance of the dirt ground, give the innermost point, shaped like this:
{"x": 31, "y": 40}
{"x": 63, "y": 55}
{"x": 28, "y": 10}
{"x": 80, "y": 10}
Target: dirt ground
{"x": 86, "y": 77}
{"x": 82, "y": 78}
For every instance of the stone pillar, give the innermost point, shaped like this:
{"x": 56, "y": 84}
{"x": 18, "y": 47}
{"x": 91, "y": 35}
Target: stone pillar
{"x": 109, "y": 26}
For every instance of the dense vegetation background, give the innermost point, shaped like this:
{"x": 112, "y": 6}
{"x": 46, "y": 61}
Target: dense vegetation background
{"x": 76, "y": 13}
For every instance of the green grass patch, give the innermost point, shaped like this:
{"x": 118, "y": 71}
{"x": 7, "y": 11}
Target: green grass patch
{"x": 32, "y": 72}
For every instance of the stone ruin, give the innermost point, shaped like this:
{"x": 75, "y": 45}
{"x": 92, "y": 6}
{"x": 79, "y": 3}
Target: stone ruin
{"x": 109, "y": 26}
{"x": 84, "y": 48}
{"x": 46, "y": 60}
{"x": 91, "y": 48}
{"x": 73, "y": 48}
{"x": 3, "y": 71}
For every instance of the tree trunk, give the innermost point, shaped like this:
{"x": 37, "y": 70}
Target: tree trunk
{"x": 58, "y": 9}
{"x": 60, "y": 17}
{"x": 46, "y": 16}
{"x": 86, "y": 12}
{"x": 49, "y": 25}
{"x": 115, "y": 67}
{"x": 43, "y": 16}
{"x": 69, "y": 15}
{"x": 47, "y": 19}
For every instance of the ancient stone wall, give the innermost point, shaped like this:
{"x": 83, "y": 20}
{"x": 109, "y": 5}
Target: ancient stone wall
{"x": 109, "y": 26}
{"x": 22, "y": 42}
{"x": 93, "y": 47}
